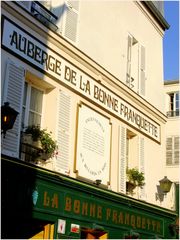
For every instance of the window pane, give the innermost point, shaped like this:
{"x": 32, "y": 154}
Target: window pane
{"x": 176, "y": 143}
{"x": 176, "y": 157}
{"x": 177, "y": 101}
{"x": 34, "y": 119}
{"x": 23, "y": 118}
{"x": 36, "y": 100}
{"x": 168, "y": 144}
{"x": 168, "y": 158}
{"x": 171, "y": 102}
{"x": 177, "y": 96}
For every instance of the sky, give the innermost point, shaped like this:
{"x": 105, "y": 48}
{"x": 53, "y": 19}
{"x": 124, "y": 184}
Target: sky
{"x": 171, "y": 41}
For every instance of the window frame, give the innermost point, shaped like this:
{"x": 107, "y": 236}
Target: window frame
{"x": 26, "y": 105}
{"x": 173, "y": 107}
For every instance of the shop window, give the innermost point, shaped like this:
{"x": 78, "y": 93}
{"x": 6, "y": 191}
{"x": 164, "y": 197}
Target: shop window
{"x": 173, "y": 105}
{"x": 32, "y": 106}
{"x": 135, "y": 75}
{"x": 172, "y": 150}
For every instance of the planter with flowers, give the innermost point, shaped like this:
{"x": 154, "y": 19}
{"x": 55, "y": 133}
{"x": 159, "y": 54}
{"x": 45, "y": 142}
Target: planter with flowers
{"x": 49, "y": 146}
{"x": 134, "y": 179}
{"x": 43, "y": 145}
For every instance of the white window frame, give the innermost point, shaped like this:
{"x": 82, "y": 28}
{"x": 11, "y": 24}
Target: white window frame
{"x": 25, "y": 121}
{"x": 136, "y": 72}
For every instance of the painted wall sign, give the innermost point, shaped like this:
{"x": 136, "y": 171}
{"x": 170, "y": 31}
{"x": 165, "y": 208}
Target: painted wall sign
{"x": 112, "y": 214}
{"x": 88, "y": 207}
{"x": 22, "y": 44}
{"x": 93, "y": 145}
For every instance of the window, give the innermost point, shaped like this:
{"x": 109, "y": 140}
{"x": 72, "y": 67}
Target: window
{"x": 172, "y": 150}
{"x": 135, "y": 75}
{"x": 131, "y": 149}
{"x": 173, "y": 105}
{"x": 32, "y": 106}
{"x": 131, "y": 154}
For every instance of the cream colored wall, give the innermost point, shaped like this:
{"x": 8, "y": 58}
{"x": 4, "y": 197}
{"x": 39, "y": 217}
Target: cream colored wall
{"x": 172, "y": 129}
{"x": 103, "y": 29}
{"x": 154, "y": 152}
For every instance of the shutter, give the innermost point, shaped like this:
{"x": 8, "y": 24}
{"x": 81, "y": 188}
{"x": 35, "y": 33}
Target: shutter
{"x": 169, "y": 152}
{"x": 122, "y": 159}
{"x": 142, "y": 71}
{"x": 63, "y": 133}
{"x": 142, "y": 193}
{"x": 129, "y": 48}
{"x": 60, "y": 12}
{"x": 176, "y": 150}
{"x": 13, "y": 93}
{"x": 71, "y": 20}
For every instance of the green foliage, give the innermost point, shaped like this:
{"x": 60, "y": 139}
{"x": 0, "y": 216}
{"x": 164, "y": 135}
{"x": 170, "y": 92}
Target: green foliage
{"x": 135, "y": 177}
{"x": 49, "y": 146}
{"x": 35, "y": 131}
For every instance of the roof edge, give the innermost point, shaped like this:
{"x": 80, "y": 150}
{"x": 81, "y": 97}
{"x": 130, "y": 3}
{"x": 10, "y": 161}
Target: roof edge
{"x": 156, "y": 14}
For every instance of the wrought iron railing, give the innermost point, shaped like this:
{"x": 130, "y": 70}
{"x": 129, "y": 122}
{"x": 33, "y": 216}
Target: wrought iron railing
{"x": 44, "y": 15}
{"x": 173, "y": 113}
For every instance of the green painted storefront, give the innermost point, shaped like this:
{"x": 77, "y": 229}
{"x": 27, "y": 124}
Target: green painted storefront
{"x": 33, "y": 197}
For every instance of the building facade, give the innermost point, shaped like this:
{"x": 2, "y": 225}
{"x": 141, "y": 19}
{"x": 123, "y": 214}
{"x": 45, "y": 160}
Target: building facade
{"x": 101, "y": 95}
{"x": 172, "y": 133}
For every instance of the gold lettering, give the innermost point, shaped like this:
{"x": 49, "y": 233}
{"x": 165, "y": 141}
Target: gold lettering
{"x": 121, "y": 218}
{"x": 46, "y": 199}
{"x": 76, "y": 206}
{"x": 126, "y": 219}
{"x": 158, "y": 227}
{"x": 138, "y": 222}
{"x": 148, "y": 223}
{"x": 143, "y": 223}
{"x": 108, "y": 213}
{"x": 153, "y": 225}
{"x": 68, "y": 204}
{"x": 92, "y": 210}
{"x": 85, "y": 208}
{"x": 99, "y": 212}
{"x": 114, "y": 216}
{"x": 55, "y": 201}
{"x": 133, "y": 221}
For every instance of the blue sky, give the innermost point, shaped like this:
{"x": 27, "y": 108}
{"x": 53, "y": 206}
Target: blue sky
{"x": 171, "y": 41}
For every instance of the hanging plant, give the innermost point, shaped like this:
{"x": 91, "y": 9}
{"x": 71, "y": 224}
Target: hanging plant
{"x": 42, "y": 140}
{"x": 49, "y": 145}
{"x": 134, "y": 179}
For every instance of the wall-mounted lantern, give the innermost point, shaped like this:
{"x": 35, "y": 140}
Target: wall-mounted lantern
{"x": 165, "y": 185}
{"x": 8, "y": 118}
